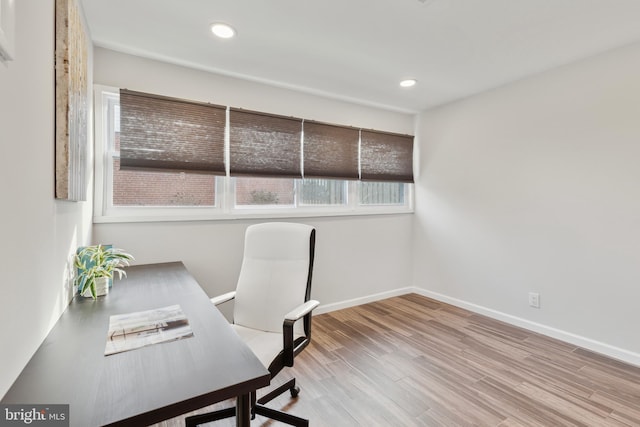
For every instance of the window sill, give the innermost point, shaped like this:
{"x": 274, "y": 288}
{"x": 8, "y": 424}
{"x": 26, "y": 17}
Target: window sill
{"x": 249, "y": 214}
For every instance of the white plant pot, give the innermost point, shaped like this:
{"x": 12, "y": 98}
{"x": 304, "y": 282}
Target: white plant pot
{"x": 102, "y": 288}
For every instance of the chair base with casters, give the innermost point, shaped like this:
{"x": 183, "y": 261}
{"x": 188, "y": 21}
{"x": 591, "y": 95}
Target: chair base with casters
{"x": 272, "y": 295}
{"x": 257, "y": 408}
{"x": 283, "y": 417}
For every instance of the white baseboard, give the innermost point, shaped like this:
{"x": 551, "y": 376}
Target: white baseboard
{"x": 580, "y": 341}
{"x": 326, "y": 308}
{"x": 587, "y": 343}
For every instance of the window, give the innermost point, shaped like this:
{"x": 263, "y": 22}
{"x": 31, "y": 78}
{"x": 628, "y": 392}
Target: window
{"x": 283, "y": 192}
{"x": 382, "y": 193}
{"x": 133, "y": 191}
{"x": 142, "y": 188}
{"x": 271, "y": 192}
{"x": 323, "y": 192}
{"x": 245, "y": 164}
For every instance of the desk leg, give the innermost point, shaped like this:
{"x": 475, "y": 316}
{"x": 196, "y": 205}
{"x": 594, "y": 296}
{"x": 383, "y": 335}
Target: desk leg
{"x": 243, "y": 411}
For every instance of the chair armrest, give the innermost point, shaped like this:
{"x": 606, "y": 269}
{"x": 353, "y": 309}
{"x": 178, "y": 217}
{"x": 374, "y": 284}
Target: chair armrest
{"x": 300, "y": 311}
{"x": 223, "y": 298}
{"x": 294, "y": 346}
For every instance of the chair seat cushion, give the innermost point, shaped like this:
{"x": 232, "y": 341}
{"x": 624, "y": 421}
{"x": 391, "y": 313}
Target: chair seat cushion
{"x": 265, "y": 345}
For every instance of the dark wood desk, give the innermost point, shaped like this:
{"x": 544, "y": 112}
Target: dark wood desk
{"x": 149, "y": 384}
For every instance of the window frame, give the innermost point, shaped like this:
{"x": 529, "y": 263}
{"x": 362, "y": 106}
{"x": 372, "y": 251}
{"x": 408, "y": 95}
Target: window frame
{"x": 225, "y": 209}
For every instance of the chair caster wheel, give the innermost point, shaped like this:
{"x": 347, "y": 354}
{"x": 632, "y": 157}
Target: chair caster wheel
{"x": 294, "y": 391}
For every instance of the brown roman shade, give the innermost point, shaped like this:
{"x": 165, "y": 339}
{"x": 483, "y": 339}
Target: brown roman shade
{"x": 330, "y": 151}
{"x": 164, "y": 133}
{"x": 264, "y": 144}
{"x": 386, "y": 156}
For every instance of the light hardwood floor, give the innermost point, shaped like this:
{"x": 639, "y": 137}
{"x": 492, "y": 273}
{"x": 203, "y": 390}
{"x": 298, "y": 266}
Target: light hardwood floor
{"x": 413, "y": 361}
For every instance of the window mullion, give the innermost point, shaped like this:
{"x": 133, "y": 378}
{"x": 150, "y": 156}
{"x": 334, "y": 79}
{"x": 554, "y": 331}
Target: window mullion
{"x": 228, "y": 194}
{"x": 353, "y": 196}
{"x": 228, "y": 190}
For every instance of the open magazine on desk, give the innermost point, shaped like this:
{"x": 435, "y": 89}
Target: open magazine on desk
{"x": 143, "y": 328}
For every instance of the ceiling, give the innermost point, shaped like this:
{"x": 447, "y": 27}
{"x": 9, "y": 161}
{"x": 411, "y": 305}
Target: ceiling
{"x": 359, "y": 50}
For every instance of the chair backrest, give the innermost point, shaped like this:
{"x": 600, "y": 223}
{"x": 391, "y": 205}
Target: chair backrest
{"x": 275, "y": 276}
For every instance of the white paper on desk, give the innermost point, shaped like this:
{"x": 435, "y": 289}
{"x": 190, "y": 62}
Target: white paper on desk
{"x": 142, "y": 328}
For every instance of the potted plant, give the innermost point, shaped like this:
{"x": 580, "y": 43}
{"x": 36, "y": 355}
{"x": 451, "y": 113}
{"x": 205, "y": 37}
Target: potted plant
{"x": 96, "y": 265}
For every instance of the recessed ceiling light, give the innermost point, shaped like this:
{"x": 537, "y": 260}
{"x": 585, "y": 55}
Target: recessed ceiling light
{"x": 408, "y": 82}
{"x": 224, "y": 31}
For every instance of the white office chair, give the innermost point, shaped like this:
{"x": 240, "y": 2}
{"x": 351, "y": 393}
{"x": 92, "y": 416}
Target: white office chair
{"x": 272, "y": 294}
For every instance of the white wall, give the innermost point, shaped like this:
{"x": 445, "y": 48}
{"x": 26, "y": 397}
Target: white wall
{"x": 39, "y": 234}
{"x": 534, "y": 187}
{"x": 356, "y": 257}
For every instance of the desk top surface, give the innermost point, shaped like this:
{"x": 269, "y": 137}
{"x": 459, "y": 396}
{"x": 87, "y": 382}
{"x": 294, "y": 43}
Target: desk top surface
{"x": 149, "y": 384}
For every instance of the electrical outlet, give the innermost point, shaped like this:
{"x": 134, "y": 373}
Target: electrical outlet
{"x": 534, "y": 299}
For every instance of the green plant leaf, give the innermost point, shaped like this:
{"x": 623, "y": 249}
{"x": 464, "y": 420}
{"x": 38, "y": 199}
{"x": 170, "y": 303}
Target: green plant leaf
{"x": 102, "y": 262}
